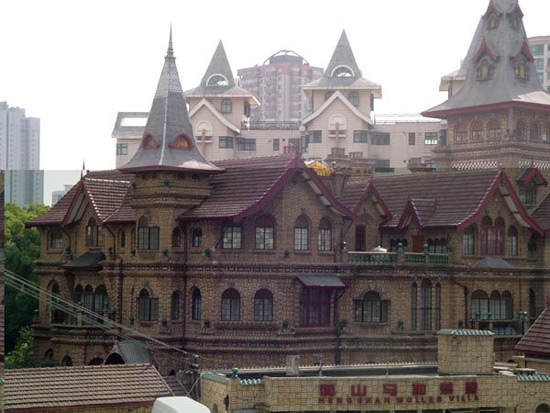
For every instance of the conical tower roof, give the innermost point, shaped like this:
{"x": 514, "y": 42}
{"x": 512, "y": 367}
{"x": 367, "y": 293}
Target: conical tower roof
{"x": 343, "y": 57}
{"x": 168, "y": 142}
{"x": 500, "y": 43}
{"x": 219, "y": 66}
{"x": 343, "y": 72}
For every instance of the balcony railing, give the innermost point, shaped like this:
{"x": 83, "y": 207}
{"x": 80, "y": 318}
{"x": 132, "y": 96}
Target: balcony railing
{"x": 274, "y": 125}
{"x": 369, "y": 257}
{"x": 62, "y": 319}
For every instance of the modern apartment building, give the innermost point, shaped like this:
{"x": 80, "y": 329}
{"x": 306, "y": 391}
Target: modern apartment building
{"x": 277, "y": 85}
{"x": 540, "y": 48}
{"x": 19, "y": 139}
{"x": 20, "y": 155}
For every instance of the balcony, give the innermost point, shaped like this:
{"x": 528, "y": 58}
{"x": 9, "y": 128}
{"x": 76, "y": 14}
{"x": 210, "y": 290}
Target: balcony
{"x": 275, "y": 125}
{"x": 369, "y": 257}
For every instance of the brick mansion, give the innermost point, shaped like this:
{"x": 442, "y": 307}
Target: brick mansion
{"x": 245, "y": 261}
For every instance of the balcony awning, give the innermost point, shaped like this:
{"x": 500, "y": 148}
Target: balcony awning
{"x": 329, "y": 281}
{"x": 493, "y": 262}
{"x": 87, "y": 261}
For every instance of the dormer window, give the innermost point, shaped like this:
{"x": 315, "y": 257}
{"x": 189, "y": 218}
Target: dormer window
{"x": 485, "y": 70}
{"x": 217, "y": 80}
{"x": 515, "y": 20}
{"x": 521, "y": 69}
{"x": 353, "y": 98}
{"x": 342, "y": 71}
{"x": 492, "y": 22}
{"x": 182, "y": 141}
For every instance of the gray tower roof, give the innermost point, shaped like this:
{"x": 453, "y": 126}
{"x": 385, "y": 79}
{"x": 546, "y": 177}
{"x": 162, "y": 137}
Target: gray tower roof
{"x": 343, "y": 62}
{"x": 168, "y": 141}
{"x": 505, "y": 46}
{"x": 218, "y": 79}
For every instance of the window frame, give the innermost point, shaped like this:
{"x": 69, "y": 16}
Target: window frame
{"x": 232, "y": 237}
{"x": 231, "y": 305}
{"x": 263, "y": 305}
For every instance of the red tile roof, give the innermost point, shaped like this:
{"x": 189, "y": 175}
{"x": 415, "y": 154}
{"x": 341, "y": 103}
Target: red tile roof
{"x": 248, "y": 185}
{"x": 69, "y": 388}
{"x": 541, "y": 214}
{"x": 105, "y": 191}
{"x": 537, "y": 339}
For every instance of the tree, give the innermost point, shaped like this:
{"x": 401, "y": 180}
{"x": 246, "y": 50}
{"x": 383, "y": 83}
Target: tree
{"x": 21, "y": 249}
{"x": 22, "y": 355}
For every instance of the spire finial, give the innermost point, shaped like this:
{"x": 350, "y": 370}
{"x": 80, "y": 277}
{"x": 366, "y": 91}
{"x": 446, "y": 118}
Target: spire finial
{"x": 170, "y": 52}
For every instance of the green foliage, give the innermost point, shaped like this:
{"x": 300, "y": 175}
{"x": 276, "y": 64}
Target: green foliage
{"x": 22, "y": 355}
{"x": 21, "y": 249}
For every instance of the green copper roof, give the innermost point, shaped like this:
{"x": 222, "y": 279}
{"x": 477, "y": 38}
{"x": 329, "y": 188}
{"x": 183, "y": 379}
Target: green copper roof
{"x": 534, "y": 378}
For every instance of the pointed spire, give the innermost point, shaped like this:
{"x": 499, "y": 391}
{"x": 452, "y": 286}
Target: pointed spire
{"x": 219, "y": 66}
{"x": 168, "y": 141}
{"x": 343, "y": 56}
{"x": 170, "y": 51}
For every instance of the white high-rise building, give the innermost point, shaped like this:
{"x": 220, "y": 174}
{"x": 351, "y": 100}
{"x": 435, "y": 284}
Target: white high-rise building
{"x": 20, "y": 155}
{"x": 540, "y": 48}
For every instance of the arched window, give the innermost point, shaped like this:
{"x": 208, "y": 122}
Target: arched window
{"x": 91, "y": 233}
{"x": 175, "y": 306}
{"x": 176, "y": 238}
{"x": 353, "y": 98}
{"x": 492, "y": 237}
{"x": 437, "y": 246}
{"x": 324, "y": 238}
{"x": 57, "y": 316}
{"x": 88, "y": 298}
{"x": 204, "y": 130}
{"x": 520, "y": 130}
{"x": 494, "y": 306}
{"x": 495, "y": 131}
{"x": 532, "y": 247}
{"x": 414, "y": 304}
{"x": 469, "y": 241}
{"x": 426, "y": 305}
{"x": 231, "y": 305}
{"x": 342, "y": 71}
{"x": 461, "y": 133}
{"x": 48, "y": 355}
{"x": 480, "y": 305}
{"x": 147, "y": 306}
{"x": 148, "y": 236}
{"x": 78, "y": 294}
{"x": 512, "y": 242}
{"x": 437, "y": 307}
{"x": 371, "y": 309}
{"x": 485, "y": 70}
{"x": 263, "y": 305}
{"x": 520, "y": 69}
{"x": 507, "y": 305}
{"x": 543, "y": 408}
{"x": 197, "y": 238}
{"x": 217, "y": 80}
{"x": 101, "y": 301}
{"x": 55, "y": 239}
{"x": 67, "y": 361}
{"x": 265, "y": 233}
{"x": 227, "y": 105}
{"x": 477, "y": 132}
{"x": 534, "y": 132}
{"x": 492, "y": 21}
{"x": 499, "y": 236}
{"x": 301, "y": 234}
{"x": 122, "y": 239}
{"x": 196, "y": 304}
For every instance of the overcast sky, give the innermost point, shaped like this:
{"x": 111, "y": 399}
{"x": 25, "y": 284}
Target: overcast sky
{"x": 76, "y": 63}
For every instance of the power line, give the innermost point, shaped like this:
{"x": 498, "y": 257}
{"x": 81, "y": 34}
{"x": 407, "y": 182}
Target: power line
{"x": 94, "y": 319}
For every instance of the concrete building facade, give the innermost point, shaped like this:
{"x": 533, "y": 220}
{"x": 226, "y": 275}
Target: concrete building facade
{"x": 277, "y": 84}
{"x": 540, "y": 48}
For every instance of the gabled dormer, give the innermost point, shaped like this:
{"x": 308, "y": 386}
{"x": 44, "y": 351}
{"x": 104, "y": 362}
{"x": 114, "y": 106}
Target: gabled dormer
{"x": 521, "y": 60}
{"x": 485, "y": 60}
{"x": 492, "y": 17}
{"x": 515, "y": 17}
